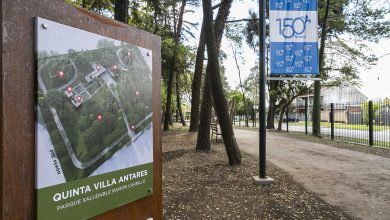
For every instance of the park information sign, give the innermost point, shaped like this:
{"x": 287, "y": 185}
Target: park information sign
{"x": 94, "y": 122}
{"x": 293, "y": 36}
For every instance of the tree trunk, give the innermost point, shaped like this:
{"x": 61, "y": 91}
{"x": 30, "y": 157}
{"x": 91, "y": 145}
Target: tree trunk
{"x": 178, "y": 102}
{"x": 222, "y": 15}
{"x": 272, "y": 105}
{"x": 204, "y": 126}
{"x": 162, "y": 116}
{"x": 220, "y": 21}
{"x": 281, "y": 117}
{"x": 157, "y": 12}
{"x": 232, "y": 109}
{"x": 121, "y": 10}
{"x": 168, "y": 116}
{"x": 196, "y": 83}
{"x": 213, "y": 70}
{"x": 203, "y": 140}
{"x": 316, "y": 117}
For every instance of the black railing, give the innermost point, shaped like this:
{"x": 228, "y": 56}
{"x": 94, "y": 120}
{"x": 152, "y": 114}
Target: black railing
{"x": 365, "y": 123}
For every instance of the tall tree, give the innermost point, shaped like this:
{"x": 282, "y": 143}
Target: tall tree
{"x": 231, "y": 146}
{"x": 168, "y": 114}
{"x": 203, "y": 141}
{"x": 121, "y": 10}
{"x": 292, "y": 91}
{"x": 241, "y": 86}
{"x": 196, "y": 83}
{"x": 178, "y": 101}
{"x": 234, "y": 34}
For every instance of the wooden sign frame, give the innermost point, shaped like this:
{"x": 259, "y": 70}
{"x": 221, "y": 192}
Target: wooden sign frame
{"x": 18, "y": 99}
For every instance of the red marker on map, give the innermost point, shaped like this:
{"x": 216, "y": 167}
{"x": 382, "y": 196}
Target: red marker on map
{"x": 137, "y": 93}
{"x": 78, "y": 98}
{"x": 61, "y": 74}
{"x": 99, "y": 117}
{"x": 128, "y": 53}
{"x": 98, "y": 67}
{"x": 69, "y": 89}
{"x": 115, "y": 67}
{"x": 132, "y": 127}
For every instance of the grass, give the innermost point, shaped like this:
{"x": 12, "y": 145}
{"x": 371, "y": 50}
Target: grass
{"x": 343, "y": 126}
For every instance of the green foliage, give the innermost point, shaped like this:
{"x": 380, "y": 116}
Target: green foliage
{"x": 234, "y": 33}
{"x": 375, "y": 111}
{"x": 104, "y": 7}
{"x": 367, "y": 21}
{"x": 252, "y": 31}
{"x": 251, "y": 82}
{"x": 351, "y": 24}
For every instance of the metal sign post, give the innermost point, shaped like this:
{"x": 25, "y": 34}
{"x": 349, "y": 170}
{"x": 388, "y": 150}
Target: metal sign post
{"x": 294, "y": 37}
{"x": 293, "y": 50}
{"x": 262, "y": 178}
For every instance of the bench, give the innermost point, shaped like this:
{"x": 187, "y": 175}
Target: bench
{"x": 215, "y": 131}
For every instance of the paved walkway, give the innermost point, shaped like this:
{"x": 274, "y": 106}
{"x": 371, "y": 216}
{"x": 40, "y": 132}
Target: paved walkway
{"x": 357, "y": 182}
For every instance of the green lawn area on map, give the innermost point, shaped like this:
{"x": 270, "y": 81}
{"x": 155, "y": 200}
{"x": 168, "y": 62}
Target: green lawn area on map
{"x": 119, "y": 97}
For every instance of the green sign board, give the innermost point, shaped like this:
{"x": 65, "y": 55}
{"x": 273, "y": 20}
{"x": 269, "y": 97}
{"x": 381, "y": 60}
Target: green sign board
{"x": 94, "y": 131}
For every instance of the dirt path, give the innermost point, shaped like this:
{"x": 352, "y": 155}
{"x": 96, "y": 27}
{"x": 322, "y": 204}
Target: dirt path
{"x": 357, "y": 182}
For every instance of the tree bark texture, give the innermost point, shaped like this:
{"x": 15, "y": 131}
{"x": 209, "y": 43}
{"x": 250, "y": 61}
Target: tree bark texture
{"x": 316, "y": 117}
{"x": 168, "y": 115}
{"x": 213, "y": 70}
{"x": 196, "y": 83}
{"x": 121, "y": 10}
{"x": 232, "y": 103}
{"x": 272, "y": 105}
{"x": 178, "y": 102}
{"x": 203, "y": 140}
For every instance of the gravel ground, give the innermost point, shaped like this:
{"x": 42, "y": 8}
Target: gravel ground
{"x": 201, "y": 185}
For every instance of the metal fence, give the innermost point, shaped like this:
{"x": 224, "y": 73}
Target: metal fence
{"x": 365, "y": 123}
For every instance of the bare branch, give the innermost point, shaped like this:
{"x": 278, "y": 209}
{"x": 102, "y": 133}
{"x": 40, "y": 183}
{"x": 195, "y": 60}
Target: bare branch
{"x": 216, "y": 6}
{"x": 241, "y": 20}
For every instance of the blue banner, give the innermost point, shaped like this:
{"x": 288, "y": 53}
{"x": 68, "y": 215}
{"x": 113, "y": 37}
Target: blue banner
{"x": 293, "y": 5}
{"x": 294, "y": 37}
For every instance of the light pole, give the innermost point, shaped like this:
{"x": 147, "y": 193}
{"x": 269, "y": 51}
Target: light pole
{"x": 262, "y": 178}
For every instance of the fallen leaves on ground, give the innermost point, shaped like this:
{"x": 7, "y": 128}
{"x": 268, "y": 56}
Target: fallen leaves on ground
{"x": 201, "y": 185}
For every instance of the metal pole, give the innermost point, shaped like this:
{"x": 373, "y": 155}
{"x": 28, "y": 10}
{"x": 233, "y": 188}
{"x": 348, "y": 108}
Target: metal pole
{"x": 306, "y": 115}
{"x": 287, "y": 118}
{"x": 262, "y": 87}
{"x": 332, "y": 121}
{"x": 370, "y": 124}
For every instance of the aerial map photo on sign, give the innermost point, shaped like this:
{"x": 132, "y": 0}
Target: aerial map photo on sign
{"x": 94, "y": 119}
{"x": 294, "y": 37}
